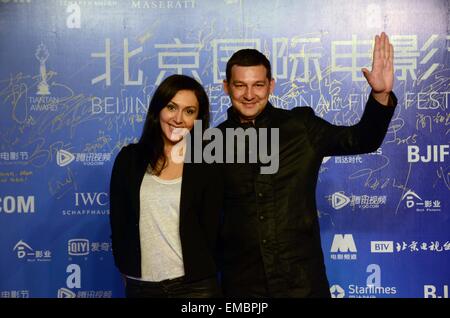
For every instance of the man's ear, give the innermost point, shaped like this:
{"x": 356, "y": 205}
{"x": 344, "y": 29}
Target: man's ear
{"x": 272, "y": 85}
{"x": 226, "y": 87}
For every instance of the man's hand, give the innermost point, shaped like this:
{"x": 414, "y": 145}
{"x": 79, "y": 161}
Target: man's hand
{"x": 381, "y": 78}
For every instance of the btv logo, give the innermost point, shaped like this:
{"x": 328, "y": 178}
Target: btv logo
{"x": 435, "y": 153}
{"x": 63, "y": 158}
{"x": 337, "y": 291}
{"x": 382, "y": 247}
{"x": 339, "y": 200}
{"x": 343, "y": 243}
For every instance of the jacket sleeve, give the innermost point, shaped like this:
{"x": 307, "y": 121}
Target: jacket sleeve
{"x": 116, "y": 191}
{"x": 212, "y": 201}
{"x": 364, "y": 137}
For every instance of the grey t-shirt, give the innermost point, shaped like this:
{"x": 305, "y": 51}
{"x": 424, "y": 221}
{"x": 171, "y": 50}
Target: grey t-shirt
{"x": 161, "y": 254}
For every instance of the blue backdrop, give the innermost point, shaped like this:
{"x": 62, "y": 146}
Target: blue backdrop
{"x": 75, "y": 81}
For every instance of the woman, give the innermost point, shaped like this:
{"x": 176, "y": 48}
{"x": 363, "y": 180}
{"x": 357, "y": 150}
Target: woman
{"x": 164, "y": 213}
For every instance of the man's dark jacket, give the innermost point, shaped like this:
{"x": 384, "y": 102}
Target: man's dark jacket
{"x": 270, "y": 235}
{"x": 199, "y": 214}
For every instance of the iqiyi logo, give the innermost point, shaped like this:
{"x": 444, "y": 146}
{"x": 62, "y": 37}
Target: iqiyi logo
{"x": 78, "y": 247}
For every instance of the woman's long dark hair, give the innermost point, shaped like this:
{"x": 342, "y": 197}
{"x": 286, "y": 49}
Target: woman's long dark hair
{"x": 151, "y": 137}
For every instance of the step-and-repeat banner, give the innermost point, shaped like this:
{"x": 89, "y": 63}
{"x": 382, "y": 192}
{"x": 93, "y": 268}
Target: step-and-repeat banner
{"x": 75, "y": 81}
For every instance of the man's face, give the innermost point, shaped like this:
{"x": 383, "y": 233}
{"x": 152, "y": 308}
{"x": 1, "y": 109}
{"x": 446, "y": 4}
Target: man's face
{"x": 249, "y": 90}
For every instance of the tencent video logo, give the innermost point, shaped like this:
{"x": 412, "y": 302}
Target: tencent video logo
{"x": 63, "y": 158}
{"x": 339, "y": 200}
{"x": 66, "y": 293}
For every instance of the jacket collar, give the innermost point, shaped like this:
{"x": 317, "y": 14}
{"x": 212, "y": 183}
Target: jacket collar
{"x": 262, "y": 120}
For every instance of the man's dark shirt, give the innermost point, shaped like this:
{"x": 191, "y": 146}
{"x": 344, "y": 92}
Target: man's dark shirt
{"x": 270, "y": 236}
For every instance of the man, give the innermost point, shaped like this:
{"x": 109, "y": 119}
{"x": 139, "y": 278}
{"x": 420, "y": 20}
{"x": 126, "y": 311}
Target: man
{"x": 270, "y": 237}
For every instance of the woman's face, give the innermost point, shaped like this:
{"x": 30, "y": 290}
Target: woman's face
{"x": 177, "y": 118}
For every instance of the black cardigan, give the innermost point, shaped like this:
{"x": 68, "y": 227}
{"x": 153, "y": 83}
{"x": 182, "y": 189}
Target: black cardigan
{"x": 200, "y": 205}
